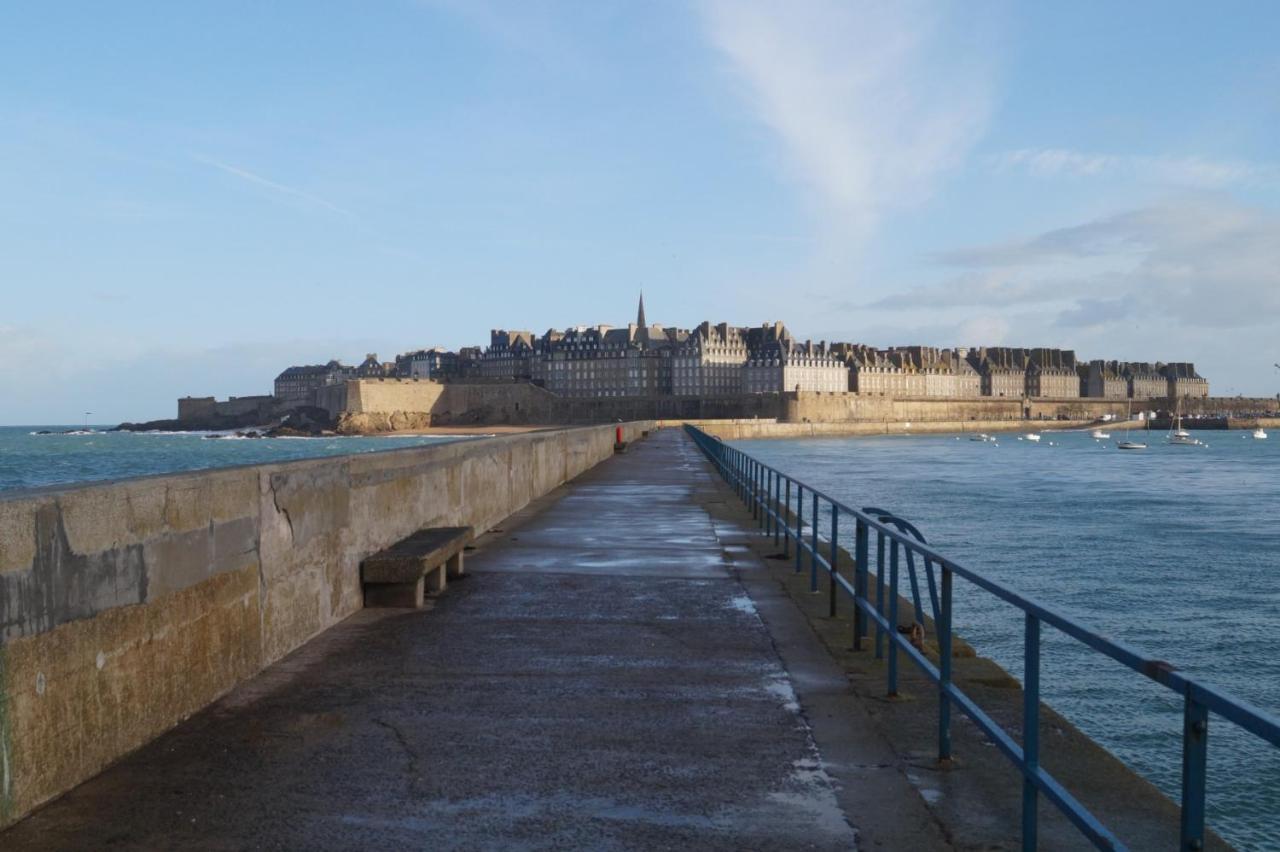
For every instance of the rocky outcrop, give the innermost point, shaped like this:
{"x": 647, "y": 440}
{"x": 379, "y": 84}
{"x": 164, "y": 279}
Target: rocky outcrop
{"x": 371, "y": 423}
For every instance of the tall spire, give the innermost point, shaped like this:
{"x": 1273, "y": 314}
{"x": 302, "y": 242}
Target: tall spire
{"x": 640, "y": 323}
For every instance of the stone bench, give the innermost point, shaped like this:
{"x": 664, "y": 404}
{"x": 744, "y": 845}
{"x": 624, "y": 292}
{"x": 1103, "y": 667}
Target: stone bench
{"x": 399, "y": 575}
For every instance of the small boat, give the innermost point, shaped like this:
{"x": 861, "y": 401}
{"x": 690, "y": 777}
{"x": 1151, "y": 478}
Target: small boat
{"x": 1032, "y": 437}
{"x": 984, "y": 437}
{"x": 1126, "y": 444}
{"x": 1099, "y": 435}
{"x": 1260, "y": 434}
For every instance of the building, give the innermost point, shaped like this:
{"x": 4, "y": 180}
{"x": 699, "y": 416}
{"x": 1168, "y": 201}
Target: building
{"x": 1052, "y": 373}
{"x": 1103, "y": 380}
{"x": 943, "y": 373}
{"x": 1145, "y": 380}
{"x": 779, "y": 363}
{"x": 1003, "y": 370}
{"x": 711, "y": 361}
{"x": 372, "y": 368}
{"x": 602, "y": 361}
{"x": 509, "y": 356}
{"x": 434, "y": 363}
{"x": 298, "y": 384}
{"x": 882, "y": 372}
{"x": 1184, "y": 381}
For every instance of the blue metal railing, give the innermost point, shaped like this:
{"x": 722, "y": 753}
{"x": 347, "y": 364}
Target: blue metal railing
{"x": 768, "y": 492}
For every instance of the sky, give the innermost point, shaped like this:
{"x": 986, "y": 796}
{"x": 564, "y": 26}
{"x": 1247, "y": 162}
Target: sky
{"x": 195, "y": 195}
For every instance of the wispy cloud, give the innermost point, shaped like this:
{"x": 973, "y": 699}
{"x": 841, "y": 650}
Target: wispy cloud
{"x": 259, "y": 180}
{"x": 872, "y": 101}
{"x": 1194, "y": 262}
{"x": 1186, "y": 171}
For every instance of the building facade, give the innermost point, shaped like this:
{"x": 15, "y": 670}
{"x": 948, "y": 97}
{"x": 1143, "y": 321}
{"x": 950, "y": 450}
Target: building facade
{"x": 298, "y": 384}
{"x": 1146, "y": 381}
{"x": 781, "y": 364}
{"x": 1103, "y": 380}
{"x": 1183, "y": 381}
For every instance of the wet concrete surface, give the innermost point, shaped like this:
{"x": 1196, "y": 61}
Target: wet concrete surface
{"x": 609, "y": 675}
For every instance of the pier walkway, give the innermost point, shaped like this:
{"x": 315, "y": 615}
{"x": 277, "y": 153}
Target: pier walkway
{"x": 616, "y": 671}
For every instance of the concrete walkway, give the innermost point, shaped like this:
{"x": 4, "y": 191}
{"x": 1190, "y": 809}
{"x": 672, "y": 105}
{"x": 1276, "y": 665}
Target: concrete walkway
{"x": 616, "y": 672}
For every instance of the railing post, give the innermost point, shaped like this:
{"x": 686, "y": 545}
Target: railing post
{"x": 768, "y": 502}
{"x": 786, "y": 528}
{"x": 813, "y": 553}
{"x": 1030, "y": 730}
{"x": 944, "y": 668}
{"x": 893, "y": 619}
{"x": 754, "y": 482}
{"x": 880, "y": 571}
{"x": 799, "y": 525}
{"x": 835, "y": 560}
{"x": 859, "y": 583}
{"x": 777, "y": 509}
{"x": 1195, "y": 758}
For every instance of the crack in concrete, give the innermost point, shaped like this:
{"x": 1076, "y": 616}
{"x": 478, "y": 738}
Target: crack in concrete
{"x": 275, "y": 500}
{"x": 413, "y": 772}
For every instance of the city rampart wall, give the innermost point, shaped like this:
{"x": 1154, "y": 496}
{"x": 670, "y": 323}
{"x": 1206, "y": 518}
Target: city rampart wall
{"x": 126, "y": 606}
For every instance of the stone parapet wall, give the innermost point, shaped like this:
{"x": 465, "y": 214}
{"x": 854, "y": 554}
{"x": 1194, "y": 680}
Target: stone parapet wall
{"x": 126, "y": 606}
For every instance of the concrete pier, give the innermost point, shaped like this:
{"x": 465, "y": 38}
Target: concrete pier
{"x": 622, "y": 667}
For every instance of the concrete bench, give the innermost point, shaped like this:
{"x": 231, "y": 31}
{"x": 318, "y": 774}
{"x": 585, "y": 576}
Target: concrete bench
{"x": 399, "y": 575}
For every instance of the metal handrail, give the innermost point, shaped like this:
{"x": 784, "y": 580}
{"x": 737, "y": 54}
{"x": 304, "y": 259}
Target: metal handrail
{"x": 768, "y": 492}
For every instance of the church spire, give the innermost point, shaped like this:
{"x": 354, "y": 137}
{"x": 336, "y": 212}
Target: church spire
{"x": 640, "y": 323}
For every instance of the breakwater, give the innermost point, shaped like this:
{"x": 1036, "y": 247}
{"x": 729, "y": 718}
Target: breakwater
{"x": 1122, "y": 540}
{"x": 126, "y": 606}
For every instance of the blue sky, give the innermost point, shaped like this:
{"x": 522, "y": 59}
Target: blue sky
{"x": 193, "y": 196}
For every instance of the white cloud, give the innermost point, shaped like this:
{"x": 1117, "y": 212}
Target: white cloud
{"x": 1186, "y": 171}
{"x": 1194, "y": 262}
{"x": 872, "y": 101}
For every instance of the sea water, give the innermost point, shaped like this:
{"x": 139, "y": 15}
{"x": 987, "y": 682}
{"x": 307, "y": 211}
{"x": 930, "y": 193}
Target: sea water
{"x": 29, "y": 459}
{"x": 1174, "y": 550}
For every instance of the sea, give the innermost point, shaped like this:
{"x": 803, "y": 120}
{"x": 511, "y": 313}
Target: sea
{"x": 1173, "y": 550}
{"x": 69, "y": 454}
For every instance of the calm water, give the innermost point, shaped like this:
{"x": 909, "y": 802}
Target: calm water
{"x": 28, "y": 460}
{"x": 1175, "y": 550}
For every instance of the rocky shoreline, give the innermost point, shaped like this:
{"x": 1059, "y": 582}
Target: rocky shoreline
{"x": 306, "y": 422}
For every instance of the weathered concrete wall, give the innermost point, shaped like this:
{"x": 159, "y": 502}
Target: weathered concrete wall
{"x": 126, "y": 606}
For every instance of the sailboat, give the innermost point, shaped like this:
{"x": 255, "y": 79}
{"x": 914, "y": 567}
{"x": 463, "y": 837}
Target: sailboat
{"x": 1260, "y": 434}
{"x": 1177, "y": 435}
{"x": 1126, "y": 444}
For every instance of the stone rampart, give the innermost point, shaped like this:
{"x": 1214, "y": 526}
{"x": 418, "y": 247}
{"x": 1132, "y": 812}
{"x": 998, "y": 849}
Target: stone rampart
{"x": 521, "y": 403}
{"x": 740, "y": 430}
{"x": 126, "y": 606}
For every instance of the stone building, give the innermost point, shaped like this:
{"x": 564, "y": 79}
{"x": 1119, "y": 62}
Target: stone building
{"x": 946, "y": 373}
{"x": 711, "y": 361}
{"x": 1103, "y": 380}
{"x": 1184, "y": 381}
{"x": 778, "y": 363}
{"x": 1003, "y": 370}
{"x": 298, "y": 384}
{"x": 1145, "y": 380}
{"x": 434, "y": 363}
{"x": 603, "y": 361}
{"x": 509, "y": 356}
{"x": 1052, "y": 373}
{"x": 883, "y": 372}
{"x": 371, "y": 367}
